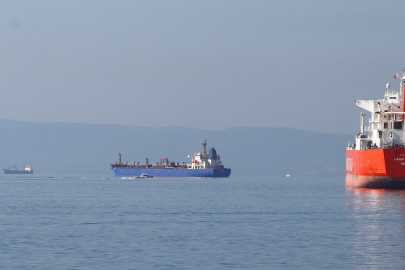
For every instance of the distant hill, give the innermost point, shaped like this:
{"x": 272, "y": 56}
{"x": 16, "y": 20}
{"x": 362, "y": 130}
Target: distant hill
{"x": 84, "y": 149}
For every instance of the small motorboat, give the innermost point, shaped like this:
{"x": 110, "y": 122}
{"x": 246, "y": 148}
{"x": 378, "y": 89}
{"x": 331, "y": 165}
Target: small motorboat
{"x": 143, "y": 176}
{"x": 287, "y": 175}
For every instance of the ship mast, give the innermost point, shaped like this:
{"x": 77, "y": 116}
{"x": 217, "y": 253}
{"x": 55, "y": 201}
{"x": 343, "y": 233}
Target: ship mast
{"x": 401, "y": 90}
{"x": 204, "y": 144}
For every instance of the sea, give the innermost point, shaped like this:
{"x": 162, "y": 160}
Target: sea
{"x": 106, "y": 222}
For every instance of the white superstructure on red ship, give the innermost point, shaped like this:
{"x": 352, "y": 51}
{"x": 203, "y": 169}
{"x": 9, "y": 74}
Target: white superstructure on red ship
{"x": 377, "y": 158}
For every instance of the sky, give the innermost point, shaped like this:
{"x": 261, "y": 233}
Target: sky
{"x": 201, "y": 64}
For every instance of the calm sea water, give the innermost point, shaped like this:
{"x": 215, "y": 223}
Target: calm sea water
{"x": 177, "y": 223}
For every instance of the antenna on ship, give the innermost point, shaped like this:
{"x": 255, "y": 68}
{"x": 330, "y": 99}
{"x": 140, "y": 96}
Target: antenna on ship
{"x": 119, "y": 161}
{"x": 205, "y": 144}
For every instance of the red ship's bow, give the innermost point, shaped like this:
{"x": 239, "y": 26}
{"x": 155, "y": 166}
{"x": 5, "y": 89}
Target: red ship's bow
{"x": 376, "y": 168}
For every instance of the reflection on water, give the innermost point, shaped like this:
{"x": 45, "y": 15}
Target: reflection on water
{"x": 377, "y": 233}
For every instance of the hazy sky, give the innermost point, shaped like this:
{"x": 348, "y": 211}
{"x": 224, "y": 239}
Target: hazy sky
{"x": 204, "y": 64}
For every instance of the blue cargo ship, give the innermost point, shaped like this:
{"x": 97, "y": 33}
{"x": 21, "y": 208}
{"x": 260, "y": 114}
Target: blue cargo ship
{"x": 203, "y": 164}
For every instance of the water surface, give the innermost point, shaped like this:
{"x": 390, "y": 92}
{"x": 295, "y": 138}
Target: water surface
{"x": 103, "y": 222}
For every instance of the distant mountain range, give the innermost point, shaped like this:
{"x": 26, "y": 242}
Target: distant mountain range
{"x": 85, "y": 149}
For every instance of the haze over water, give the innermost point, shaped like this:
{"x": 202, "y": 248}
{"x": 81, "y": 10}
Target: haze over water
{"x": 85, "y": 80}
{"x": 179, "y": 223}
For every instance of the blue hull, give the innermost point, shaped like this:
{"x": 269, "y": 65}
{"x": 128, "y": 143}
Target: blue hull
{"x": 17, "y": 172}
{"x": 174, "y": 172}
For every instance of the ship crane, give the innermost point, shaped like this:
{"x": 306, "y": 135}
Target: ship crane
{"x": 165, "y": 159}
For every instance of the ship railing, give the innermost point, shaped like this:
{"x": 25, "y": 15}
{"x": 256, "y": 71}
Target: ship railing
{"x": 351, "y": 146}
{"x": 387, "y": 144}
{"x": 384, "y": 144}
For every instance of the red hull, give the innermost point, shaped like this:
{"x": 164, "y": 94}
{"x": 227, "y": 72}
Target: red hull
{"x": 376, "y": 168}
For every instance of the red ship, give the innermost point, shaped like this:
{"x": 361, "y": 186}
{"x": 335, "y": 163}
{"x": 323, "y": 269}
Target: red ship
{"x": 377, "y": 158}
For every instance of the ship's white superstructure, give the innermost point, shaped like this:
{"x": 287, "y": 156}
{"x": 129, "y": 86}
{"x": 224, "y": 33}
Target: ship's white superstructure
{"x": 385, "y": 128}
{"x": 204, "y": 160}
